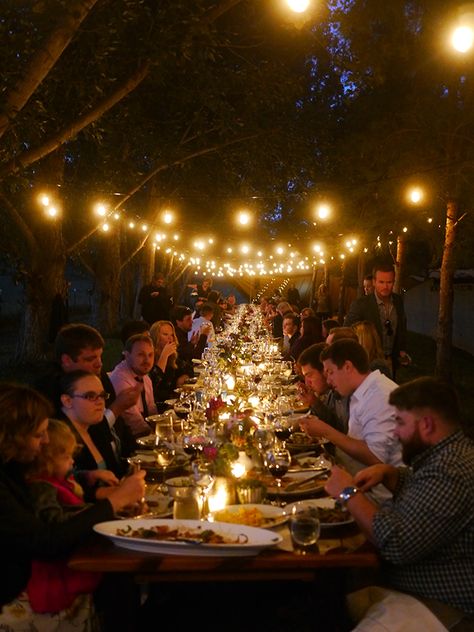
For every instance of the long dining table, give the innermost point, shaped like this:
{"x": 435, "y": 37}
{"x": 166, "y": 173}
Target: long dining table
{"x": 342, "y": 547}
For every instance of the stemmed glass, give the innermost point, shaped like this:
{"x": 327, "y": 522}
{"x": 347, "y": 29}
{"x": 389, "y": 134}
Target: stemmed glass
{"x": 165, "y": 454}
{"x": 277, "y": 462}
{"x": 204, "y": 478}
{"x": 282, "y": 428}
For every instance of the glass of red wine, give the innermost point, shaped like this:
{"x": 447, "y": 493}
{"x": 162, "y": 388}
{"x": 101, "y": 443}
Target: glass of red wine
{"x": 282, "y": 429}
{"x": 277, "y": 462}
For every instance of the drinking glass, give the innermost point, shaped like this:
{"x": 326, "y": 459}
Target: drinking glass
{"x": 165, "y": 454}
{"x": 204, "y": 478}
{"x": 304, "y": 527}
{"x": 282, "y": 428}
{"x": 277, "y": 462}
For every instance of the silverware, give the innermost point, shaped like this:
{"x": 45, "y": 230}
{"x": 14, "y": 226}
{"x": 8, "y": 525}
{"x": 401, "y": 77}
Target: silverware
{"x": 297, "y": 484}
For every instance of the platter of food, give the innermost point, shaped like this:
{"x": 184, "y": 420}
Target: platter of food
{"x": 252, "y": 515}
{"x": 188, "y": 537}
{"x": 329, "y": 514}
{"x": 148, "y": 461}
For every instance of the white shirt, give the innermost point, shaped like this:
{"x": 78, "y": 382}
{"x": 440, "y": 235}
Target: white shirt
{"x": 372, "y": 419}
{"x": 197, "y": 322}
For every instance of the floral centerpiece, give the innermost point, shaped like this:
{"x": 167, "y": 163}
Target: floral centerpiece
{"x": 222, "y": 457}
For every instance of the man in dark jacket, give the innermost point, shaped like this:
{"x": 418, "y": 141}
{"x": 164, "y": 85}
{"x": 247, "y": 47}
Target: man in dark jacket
{"x": 385, "y": 309}
{"x": 155, "y": 300}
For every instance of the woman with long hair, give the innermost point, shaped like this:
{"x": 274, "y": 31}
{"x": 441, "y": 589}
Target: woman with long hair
{"x": 24, "y": 419}
{"x": 166, "y": 374}
{"x": 369, "y": 338}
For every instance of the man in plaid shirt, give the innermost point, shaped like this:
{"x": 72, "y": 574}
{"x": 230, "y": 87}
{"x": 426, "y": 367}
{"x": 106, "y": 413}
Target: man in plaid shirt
{"x": 425, "y": 534}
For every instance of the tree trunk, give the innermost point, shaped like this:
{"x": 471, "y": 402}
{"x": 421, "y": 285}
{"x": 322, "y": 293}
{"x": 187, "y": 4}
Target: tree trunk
{"x": 107, "y": 304}
{"x": 401, "y": 251}
{"x": 446, "y": 296}
{"x": 45, "y": 58}
{"x": 342, "y": 287}
{"x": 360, "y": 274}
{"x": 44, "y": 283}
{"x": 313, "y": 287}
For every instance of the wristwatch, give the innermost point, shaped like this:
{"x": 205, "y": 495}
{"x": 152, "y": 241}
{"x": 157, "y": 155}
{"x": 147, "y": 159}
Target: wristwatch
{"x": 346, "y": 494}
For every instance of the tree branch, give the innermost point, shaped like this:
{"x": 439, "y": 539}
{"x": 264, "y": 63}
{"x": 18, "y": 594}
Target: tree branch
{"x": 178, "y": 161}
{"x": 29, "y": 157}
{"x": 135, "y": 252}
{"x": 20, "y": 223}
{"x": 44, "y": 60}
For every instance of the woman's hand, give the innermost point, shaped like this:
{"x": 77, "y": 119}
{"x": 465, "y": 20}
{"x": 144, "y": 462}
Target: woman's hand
{"x": 169, "y": 349}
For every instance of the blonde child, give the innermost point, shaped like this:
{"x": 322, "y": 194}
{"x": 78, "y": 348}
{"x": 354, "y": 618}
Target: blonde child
{"x": 53, "y": 587}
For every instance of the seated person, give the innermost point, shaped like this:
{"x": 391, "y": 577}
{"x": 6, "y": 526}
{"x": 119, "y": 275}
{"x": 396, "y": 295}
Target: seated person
{"x": 370, "y": 437}
{"x": 80, "y": 346}
{"x": 132, "y": 372}
{"x": 98, "y": 469}
{"x": 57, "y": 496}
{"x": 188, "y": 349}
{"x": 24, "y": 419}
{"x": 165, "y": 375}
{"x": 425, "y": 534}
{"x": 205, "y": 318}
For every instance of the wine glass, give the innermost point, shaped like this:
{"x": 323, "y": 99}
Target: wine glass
{"x": 282, "y": 428}
{"x": 165, "y": 454}
{"x": 277, "y": 462}
{"x": 204, "y": 478}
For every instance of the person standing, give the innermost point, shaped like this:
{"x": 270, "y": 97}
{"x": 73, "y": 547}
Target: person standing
{"x": 155, "y": 300}
{"x": 385, "y": 309}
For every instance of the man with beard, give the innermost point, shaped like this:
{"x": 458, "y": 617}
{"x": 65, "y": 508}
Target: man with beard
{"x": 139, "y": 355}
{"x": 425, "y": 534}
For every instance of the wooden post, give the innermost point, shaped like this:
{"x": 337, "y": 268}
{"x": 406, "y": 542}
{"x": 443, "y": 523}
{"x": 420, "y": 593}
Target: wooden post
{"x": 444, "y": 333}
{"x": 360, "y": 274}
{"x": 400, "y": 260}
{"x": 313, "y": 288}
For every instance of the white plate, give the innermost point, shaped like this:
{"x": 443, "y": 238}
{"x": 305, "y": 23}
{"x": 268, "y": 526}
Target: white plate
{"x": 272, "y": 516}
{"x": 310, "y": 464}
{"x": 312, "y": 487}
{"x": 257, "y": 539}
{"x": 323, "y": 503}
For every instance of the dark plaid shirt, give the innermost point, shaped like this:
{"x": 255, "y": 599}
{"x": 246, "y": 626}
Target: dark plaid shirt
{"x": 426, "y": 533}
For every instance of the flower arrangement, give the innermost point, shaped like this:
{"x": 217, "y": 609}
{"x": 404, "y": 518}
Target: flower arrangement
{"x": 222, "y": 457}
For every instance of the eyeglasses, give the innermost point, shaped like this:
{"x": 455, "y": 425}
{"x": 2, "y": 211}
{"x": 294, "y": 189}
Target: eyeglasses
{"x": 92, "y": 397}
{"x": 388, "y": 327}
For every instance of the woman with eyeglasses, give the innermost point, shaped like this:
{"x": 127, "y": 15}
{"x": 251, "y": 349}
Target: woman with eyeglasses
{"x": 97, "y": 467}
{"x": 24, "y": 419}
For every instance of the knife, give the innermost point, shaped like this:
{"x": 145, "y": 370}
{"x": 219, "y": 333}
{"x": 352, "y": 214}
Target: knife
{"x": 297, "y": 484}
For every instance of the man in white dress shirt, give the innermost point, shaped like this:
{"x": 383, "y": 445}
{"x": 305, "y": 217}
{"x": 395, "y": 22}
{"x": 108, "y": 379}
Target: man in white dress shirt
{"x": 371, "y": 437}
{"x": 206, "y": 313}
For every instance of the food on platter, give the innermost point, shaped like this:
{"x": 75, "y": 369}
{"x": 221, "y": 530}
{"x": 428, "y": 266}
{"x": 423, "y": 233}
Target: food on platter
{"x": 180, "y": 534}
{"x": 252, "y": 515}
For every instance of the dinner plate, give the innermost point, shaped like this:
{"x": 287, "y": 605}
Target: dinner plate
{"x": 147, "y": 461}
{"x": 324, "y": 504}
{"x": 312, "y": 487}
{"x": 246, "y": 541}
{"x": 310, "y": 464}
{"x": 251, "y": 514}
